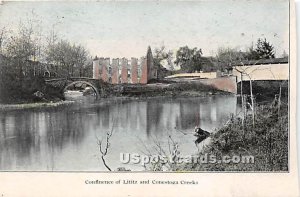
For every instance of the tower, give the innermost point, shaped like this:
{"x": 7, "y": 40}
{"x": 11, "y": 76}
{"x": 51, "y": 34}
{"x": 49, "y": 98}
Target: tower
{"x": 96, "y": 68}
{"x": 149, "y": 71}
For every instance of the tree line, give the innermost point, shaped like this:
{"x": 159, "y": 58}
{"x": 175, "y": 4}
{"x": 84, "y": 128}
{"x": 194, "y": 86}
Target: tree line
{"x": 192, "y": 59}
{"x": 28, "y": 56}
{"x": 27, "y": 44}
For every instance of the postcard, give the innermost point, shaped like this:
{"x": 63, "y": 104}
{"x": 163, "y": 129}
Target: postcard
{"x": 148, "y": 98}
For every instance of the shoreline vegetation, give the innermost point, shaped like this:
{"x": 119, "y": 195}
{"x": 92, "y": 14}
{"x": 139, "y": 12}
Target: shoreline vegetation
{"x": 21, "y": 106}
{"x": 266, "y": 141}
{"x": 161, "y": 90}
{"x": 111, "y": 92}
{"x": 32, "y": 105}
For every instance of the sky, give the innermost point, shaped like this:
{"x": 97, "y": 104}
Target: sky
{"x": 126, "y": 29}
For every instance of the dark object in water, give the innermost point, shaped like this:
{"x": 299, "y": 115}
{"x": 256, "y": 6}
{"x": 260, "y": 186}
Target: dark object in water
{"x": 201, "y": 135}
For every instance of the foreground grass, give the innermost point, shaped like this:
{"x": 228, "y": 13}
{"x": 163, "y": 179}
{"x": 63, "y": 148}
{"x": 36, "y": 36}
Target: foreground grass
{"x": 267, "y": 141}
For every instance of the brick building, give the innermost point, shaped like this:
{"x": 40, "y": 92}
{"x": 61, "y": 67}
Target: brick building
{"x": 125, "y": 71}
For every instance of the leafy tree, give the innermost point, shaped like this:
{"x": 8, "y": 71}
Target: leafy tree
{"x": 162, "y": 55}
{"x": 226, "y": 56}
{"x": 263, "y": 50}
{"x": 188, "y": 59}
{"x": 21, "y": 54}
{"x": 209, "y": 64}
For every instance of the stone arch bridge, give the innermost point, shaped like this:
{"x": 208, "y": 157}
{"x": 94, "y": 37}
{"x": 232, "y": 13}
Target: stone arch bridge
{"x": 76, "y": 82}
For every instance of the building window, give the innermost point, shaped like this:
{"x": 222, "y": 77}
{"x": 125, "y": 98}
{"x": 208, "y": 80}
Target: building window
{"x": 139, "y": 71}
{"x": 128, "y": 73}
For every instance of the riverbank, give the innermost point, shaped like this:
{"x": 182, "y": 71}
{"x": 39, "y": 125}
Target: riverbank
{"x": 266, "y": 141}
{"x": 105, "y": 100}
{"x": 170, "y": 89}
{"x": 53, "y": 97}
{"x": 8, "y": 107}
{"x": 29, "y": 89}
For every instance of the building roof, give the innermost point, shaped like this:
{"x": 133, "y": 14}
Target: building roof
{"x": 204, "y": 75}
{"x": 261, "y": 61}
{"x": 262, "y": 72}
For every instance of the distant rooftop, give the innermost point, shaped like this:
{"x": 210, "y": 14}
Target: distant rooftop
{"x": 262, "y": 61}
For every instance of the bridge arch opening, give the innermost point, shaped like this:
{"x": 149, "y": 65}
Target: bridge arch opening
{"x": 85, "y": 86}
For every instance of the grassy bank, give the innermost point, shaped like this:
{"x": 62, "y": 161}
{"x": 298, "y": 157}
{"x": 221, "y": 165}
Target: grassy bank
{"x": 161, "y": 89}
{"x": 22, "y": 90}
{"x": 267, "y": 141}
{"x": 8, "y": 107}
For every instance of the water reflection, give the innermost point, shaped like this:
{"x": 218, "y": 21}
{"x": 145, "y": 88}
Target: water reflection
{"x": 64, "y": 139}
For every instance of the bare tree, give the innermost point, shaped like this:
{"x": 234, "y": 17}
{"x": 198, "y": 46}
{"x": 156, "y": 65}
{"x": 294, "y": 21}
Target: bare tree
{"x": 68, "y": 58}
{"x": 170, "y": 152}
{"x": 23, "y": 45}
{"x": 104, "y": 147}
{"x": 243, "y": 71}
{"x": 242, "y": 99}
{"x": 80, "y": 58}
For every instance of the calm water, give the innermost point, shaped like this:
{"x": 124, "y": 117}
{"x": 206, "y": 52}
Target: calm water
{"x": 65, "y": 138}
